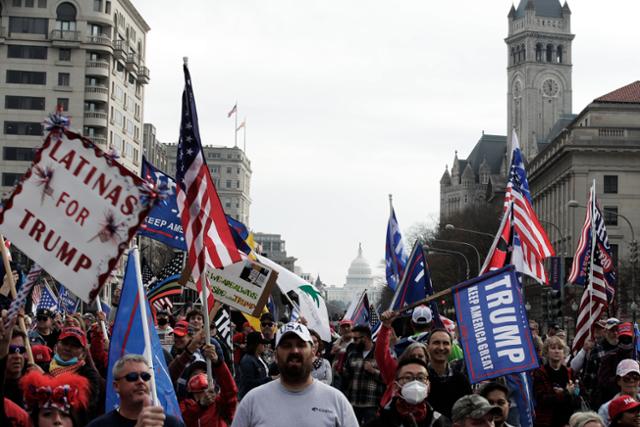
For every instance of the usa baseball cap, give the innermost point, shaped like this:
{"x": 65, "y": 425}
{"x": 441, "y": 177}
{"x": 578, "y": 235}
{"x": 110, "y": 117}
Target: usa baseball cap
{"x": 421, "y": 315}
{"x": 293, "y": 328}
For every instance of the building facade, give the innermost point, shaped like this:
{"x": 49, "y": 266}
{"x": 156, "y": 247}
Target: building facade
{"x": 359, "y": 278}
{"x": 539, "y": 87}
{"x": 231, "y": 173}
{"x": 603, "y": 144}
{"x": 154, "y": 151}
{"x": 273, "y": 247}
{"x": 85, "y": 56}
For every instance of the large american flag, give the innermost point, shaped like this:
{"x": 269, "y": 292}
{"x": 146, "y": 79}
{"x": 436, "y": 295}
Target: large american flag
{"x": 592, "y": 265}
{"x": 209, "y": 241}
{"x": 520, "y": 228}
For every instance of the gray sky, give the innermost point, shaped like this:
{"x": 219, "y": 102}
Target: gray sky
{"x": 348, "y": 101}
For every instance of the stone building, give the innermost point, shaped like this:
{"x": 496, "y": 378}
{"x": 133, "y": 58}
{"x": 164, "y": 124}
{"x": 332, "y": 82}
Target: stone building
{"x": 273, "y": 247}
{"x": 359, "y": 278}
{"x": 86, "y": 56}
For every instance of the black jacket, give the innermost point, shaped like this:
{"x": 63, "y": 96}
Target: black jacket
{"x": 389, "y": 417}
{"x": 253, "y": 373}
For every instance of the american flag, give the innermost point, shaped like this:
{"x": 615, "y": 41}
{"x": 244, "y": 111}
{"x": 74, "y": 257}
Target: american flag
{"x": 147, "y": 274}
{"x": 592, "y": 265}
{"x": 374, "y": 321}
{"x": 520, "y": 227}
{"x": 167, "y": 285}
{"x": 223, "y": 325}
{"x": 209, "y": 241}
{"x": 45, "y": 297}
{"x": 173, "y": 267}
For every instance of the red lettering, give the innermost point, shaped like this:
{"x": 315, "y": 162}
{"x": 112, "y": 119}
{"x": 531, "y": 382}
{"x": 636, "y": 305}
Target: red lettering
{"x": 84, "y": 213}
{"x": 66, "y": 253}
{"x": 37, "y": 229}
{"x": 81, "y": 164}
{"x": 129, "y": 204}
{"x": 62, "y": 198}
{"x": 47, "y": 241}
{"x": 68, "y": 159}
{"x": 28, "y": 215}
{"x": 55, "y": 149}
{"x": 100, "y": 182}
{"x": 114, "y": 195}
{"x": 83, "y": 262}
{"x": 90, "y": 175}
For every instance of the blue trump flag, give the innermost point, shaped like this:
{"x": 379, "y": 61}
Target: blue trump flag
{"x": 493, "y": 325}
{"x": 520, "y": 385}
{"x": 163, "y": 222}
{"x": 67, "y": 302}
{"x": 416, "y": 284}
{"x": 395, "y": 255}
{"x": 127, "y": 338}
{"x": 361, "y": 313}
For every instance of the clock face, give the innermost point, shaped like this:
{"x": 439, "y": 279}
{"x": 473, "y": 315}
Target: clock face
{"x": 550, "y": 87}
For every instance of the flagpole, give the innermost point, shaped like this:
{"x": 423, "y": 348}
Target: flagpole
{"x": 593, "y": 248}
{"x": 235, "y": 136}
{"x": 12, "y": 287}
{"x": 142, "y": 302}
{"x": 244, "y": 136}
{"x": 207, "y": 323}
{"x": 102, "y": 325}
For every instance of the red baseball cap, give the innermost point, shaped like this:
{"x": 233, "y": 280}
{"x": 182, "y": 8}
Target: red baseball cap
{"x": 622, "y": 404}
{"x": 181, "y": 329}
{"x": 625, "y": 329}
{"x": 197, "y": 383}
{"x": 72, "y": 332}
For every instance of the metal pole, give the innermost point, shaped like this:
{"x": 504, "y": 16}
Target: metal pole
{"x": 452, "y": 227}
{"x": 466, "y": 244}
{"x": 563, "y": 254}
{"x": 448, "y": 251}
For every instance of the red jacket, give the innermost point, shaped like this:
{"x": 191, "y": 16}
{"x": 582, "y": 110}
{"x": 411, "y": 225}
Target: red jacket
{"x": 386, "y": 363}
{"x": 16, "y": 416}
{"x": 221, "y": 410}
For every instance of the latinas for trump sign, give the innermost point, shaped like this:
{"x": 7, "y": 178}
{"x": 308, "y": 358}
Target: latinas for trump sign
{"x": 75, "y": 212}
{"x": 494, "y": 330}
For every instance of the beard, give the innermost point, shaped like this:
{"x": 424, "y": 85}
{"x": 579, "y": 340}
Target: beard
{"x": 294, "y": 373}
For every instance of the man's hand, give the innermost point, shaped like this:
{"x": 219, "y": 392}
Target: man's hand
{"x": 151, "y": 416}
{"x": 368, "y": 366}
{"x": 209, "y": 352}
{"x": 5, "y": 334}
{"x": 387, "y": 317}
{"x": 197, "y": 340}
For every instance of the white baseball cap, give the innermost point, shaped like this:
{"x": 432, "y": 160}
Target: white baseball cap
{"x": 422, "y": 315}
{"x": 627, "y": 366}
{"x": 293, "y": 328}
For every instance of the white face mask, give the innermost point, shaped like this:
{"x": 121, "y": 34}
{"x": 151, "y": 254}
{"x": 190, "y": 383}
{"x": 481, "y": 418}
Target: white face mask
{"x": 414, "y": 392}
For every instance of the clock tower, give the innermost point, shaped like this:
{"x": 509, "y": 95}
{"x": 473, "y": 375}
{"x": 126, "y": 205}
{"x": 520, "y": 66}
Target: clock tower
{"x": 539, "y": 70}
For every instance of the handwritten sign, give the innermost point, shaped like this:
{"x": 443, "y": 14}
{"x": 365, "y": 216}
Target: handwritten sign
{"x": 244, "y": 285}
{"x": 494, "y": 330}
{"x": 75, "y": 212}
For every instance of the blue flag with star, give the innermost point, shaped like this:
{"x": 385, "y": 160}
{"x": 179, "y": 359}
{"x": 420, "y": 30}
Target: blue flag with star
{"x": 163, "y": 222}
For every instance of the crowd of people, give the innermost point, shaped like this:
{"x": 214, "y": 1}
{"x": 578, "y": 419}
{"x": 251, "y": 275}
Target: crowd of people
{"x": 412, "y": 374}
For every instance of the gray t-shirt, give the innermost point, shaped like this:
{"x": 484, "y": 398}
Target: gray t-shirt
{"x": 272, "y": 404}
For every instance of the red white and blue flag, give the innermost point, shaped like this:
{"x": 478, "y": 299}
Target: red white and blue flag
{"x": 209, "y": 241}
{"x": 520, "y": 236}
{"x": 592, "y": 266}
{"x": 395, "y": 255}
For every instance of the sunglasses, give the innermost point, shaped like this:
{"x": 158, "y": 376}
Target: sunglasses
{"x": 19, "y": 349}
{"x": 267, "y": 325}
{"x": 43, "y": 318}
{"x": 132, "y": 377}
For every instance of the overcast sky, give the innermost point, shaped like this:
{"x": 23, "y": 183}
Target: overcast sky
{"x": 348, "y": 101}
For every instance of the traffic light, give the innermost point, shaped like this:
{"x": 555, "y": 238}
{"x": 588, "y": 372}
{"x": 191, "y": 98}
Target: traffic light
{"x": 634, "y": 251}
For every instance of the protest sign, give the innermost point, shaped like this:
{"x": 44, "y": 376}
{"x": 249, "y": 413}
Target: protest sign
{"x": 75, "y": 212}
{"x": 245, "y": 285}
{"x": 494, "y": 330}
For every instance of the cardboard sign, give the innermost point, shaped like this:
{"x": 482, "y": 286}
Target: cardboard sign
{"x": 245, "y": 285}
{"x": 75, "y": 212}
{"x": 494, "y": 330}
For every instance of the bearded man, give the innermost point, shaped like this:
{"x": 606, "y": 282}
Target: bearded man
{"x": 295, "y": 397}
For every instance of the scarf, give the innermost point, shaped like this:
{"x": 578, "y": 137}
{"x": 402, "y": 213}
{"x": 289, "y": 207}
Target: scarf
{"x": 56, "y": 369}
{"x": 408, "y": 411}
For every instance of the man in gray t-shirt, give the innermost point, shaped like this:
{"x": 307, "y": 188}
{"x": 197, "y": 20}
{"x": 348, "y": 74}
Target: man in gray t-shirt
{"x": 295, "y": 398}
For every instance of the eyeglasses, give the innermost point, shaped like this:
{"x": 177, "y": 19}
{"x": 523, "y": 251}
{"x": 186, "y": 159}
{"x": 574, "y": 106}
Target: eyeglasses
{"x": 423, "y": 378}
{"x": 42, "y": 318}
{"x": 132, "y": 377}
{"x": 267, "y": 325}
{"x": 631, "y": 378}
{"x": 19, "y": 349}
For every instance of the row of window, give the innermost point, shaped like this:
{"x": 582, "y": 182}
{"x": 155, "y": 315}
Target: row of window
{"x": 42, "y": 4}
{"x": 548, "y": 53}
{"x": 35, "y": 78}
{"x": 32, "y": 103}
{"x": 211, "y": 155}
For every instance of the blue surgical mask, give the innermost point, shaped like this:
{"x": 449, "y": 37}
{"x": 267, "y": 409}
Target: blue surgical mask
{"x": 61, "y": 362}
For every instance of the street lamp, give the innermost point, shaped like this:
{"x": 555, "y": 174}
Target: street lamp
{"x": 462, "y": 243}
{"x": 451, "y": 227}
{"x": 633, "y": 244}
{"x": 448, "y": 251}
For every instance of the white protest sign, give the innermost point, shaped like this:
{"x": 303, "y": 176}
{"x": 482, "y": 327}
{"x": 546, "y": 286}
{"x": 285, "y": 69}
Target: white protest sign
{"x": 245, "y": 285}
{"x": 75, "y": 212}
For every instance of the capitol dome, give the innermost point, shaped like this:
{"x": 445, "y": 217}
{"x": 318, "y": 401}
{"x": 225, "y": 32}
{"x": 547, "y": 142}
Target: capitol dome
{"x": 359, "y": 271}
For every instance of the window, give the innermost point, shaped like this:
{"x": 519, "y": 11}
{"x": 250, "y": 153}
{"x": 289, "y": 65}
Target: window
{"x": 64, "y": 55}
{"x": 64, "y": 79}
{"x": 227, "y": 203}
{"x": 28, "y": 25}
{"x": 63, "y": 103}
{"x": 238, "y": 170}
{"x": 26, "y": 77}
{"x": 237, "y": 184}
{"x": 24, "y": 102}
{"x": 97, "y": 5}
{"x": 610, "y": 215}
{"x": 119, "y": 67}
{"x": 10, "y": 179}
{"x": 228, "y": 184}
{"x": 27, "y": 52}
{"x": 22, "y": 154}
{"x": 28, "y": 3}
{"x": 66, "y": 12}
{"x": 17, "y": 3}
{"x": 611, "y": 184}
{"x": 22, "y": 128}
{"x": 42, "y": 4}
{"x": 107, "y": 7}
{"x": 228, "y": 170}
